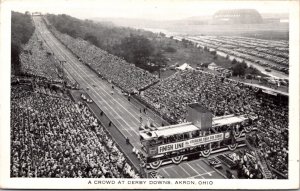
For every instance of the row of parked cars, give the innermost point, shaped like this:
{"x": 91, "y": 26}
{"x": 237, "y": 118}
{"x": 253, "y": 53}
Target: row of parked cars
{"x": 272, "y": 54}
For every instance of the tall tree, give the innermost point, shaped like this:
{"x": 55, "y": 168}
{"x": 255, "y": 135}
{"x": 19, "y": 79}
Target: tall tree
{"x": 21, "y": 30}
{"x": 136, "y": 49}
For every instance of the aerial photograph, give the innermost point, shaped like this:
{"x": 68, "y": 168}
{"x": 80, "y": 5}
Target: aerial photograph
{"x": 189, "y": 90}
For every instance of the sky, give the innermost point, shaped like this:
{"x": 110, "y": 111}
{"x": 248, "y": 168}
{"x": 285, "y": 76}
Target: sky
{"x": 145, "y": 9}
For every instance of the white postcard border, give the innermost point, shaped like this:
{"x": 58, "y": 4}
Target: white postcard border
{"x": 73, "y": 183}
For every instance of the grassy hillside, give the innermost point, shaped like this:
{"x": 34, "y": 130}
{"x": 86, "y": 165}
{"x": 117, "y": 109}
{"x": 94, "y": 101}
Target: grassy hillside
{"x": 135, "y": 46}
{"x": 147, "y": 50}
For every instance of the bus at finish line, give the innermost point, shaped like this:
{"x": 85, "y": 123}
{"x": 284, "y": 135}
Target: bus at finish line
{"x": 198, "y": 137}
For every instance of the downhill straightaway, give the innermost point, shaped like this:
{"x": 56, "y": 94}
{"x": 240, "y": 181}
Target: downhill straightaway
{"x": 124, "y": 115}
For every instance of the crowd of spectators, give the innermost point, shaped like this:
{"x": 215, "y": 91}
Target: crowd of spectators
{"x": 222, "y": 96}
{"x": 247, "y": 164}
{"x": 274, "y": 149}
{"x": 274, "y": 135}
{"x": 52, "y": 136}
{"x": 125, "y": 75}
{"x": 276, "y": 153}
{"x": 38, "y": 61}
{"x": 55, "y": 92}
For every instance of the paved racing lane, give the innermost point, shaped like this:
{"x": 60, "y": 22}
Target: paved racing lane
{"x": 197, "y": 169}
{"x": 121, "y": 112}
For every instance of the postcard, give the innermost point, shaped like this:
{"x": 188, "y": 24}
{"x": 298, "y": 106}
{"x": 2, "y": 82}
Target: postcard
{"x": 130, "y": 94}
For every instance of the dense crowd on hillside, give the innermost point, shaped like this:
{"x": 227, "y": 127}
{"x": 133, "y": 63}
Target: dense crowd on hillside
{"x": 172, "y": 95}
{"x": 54, "y": 137}
{"x": 123, "y": 74}
{"x": 276, "y": 154}
{"x": 274, "y": 148}
{"x": 247, "y": 167}
{"x": 222, "y": 97}
{"x": 38, "y": 61}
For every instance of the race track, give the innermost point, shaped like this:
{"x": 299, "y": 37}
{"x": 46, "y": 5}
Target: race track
{"x": 123, "y": 114}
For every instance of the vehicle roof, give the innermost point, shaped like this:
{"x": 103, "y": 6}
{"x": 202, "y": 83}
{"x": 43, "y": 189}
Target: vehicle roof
{"x": 188, "y": 127}
{"x": 169, "y": 130}
{"x": 228, "y": 119}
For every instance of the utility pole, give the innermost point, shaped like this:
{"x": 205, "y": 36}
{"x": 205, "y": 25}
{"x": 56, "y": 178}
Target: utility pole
{"x": 141, "y": 121}
{"x": 62, "y": 70}
{"x": 159, "y": 73}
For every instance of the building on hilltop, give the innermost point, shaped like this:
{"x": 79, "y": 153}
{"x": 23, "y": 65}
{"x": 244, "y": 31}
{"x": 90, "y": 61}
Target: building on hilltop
{"x": 237, "y": 16}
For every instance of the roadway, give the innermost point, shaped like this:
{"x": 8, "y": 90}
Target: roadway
{"x": 123, "y": 114}
{"x": 196, "y": 169}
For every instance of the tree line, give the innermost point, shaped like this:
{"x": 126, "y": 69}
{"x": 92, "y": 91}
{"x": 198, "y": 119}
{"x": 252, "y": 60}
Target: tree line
{"x": 22, "y": 28}
{"x": 134, "y": 45}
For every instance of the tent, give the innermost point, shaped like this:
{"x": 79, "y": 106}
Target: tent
{"x": 212, "y": 66}
{"x": 184, "y": 66}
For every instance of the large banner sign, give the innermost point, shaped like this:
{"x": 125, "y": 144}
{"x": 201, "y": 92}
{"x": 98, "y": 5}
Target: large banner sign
{"x": 190, "y": 143}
